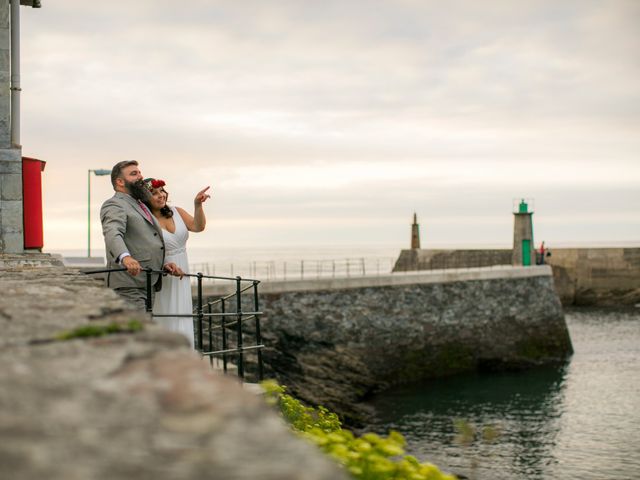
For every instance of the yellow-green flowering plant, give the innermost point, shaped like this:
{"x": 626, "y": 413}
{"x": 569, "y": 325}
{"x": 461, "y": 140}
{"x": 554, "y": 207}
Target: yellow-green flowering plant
{"x": 368, "y": 457}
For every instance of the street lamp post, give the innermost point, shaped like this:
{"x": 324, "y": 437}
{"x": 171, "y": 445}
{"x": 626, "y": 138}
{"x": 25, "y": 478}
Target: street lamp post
{"x": 99, "y": 172}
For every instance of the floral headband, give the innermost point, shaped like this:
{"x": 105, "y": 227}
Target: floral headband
{"x": 153, "y": 183}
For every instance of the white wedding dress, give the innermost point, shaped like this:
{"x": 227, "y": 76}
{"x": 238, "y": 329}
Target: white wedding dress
{"x": 175, "y": 295}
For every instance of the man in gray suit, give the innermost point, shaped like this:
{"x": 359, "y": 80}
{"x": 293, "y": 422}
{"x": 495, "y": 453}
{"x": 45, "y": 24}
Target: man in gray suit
{"x": 132, "y": 236}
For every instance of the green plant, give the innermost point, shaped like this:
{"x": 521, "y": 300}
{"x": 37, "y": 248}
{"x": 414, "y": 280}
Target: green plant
{"x": 368, "y": 457}
{"x": 100, "y": 330}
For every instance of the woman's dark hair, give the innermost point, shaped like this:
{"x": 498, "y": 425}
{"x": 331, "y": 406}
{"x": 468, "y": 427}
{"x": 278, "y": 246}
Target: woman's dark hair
{"x": 164, "y": 211}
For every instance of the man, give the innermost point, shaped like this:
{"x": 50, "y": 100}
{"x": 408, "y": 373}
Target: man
{"x": 132, "y": 236}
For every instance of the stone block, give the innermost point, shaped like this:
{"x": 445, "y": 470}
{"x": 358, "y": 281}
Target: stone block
{"x": 4, "y": 58}
{"x": 5, "y": 118}
{"x": 13, "y": 242}
{"x": 11, "y": 217}
{"x": 5, "y": 77}
{"x": 5, "y": 14}
{"x": 10, "y": 168}
{"x": 10, "y": 154}
{"x": 5, "y": 38}
{"x": 11, "y": 187}
{"x": 5, "y": 106}
{"x": 13, "y": 155}
{"x": 5, "y": 133}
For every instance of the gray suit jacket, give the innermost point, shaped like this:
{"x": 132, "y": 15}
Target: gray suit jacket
{"x": 126, "y": 229}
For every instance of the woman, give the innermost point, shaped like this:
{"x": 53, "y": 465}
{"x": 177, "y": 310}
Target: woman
{"x": 176, "y": 223}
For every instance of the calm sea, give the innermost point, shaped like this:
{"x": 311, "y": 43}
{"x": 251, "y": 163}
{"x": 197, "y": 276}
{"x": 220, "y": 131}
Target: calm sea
{"x": 579, "y": 421}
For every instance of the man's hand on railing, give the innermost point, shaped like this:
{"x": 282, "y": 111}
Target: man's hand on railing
{"x": 132, "y": 265}
{"x": 173, "y": 269}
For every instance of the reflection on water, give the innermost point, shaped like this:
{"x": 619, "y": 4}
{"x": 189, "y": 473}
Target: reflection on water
{"x": 524, "y": 408}
{"x": 576, "y": 421}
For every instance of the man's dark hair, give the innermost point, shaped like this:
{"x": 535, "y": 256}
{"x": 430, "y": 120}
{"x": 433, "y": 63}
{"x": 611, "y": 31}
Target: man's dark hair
{"x": 116, "y": 171}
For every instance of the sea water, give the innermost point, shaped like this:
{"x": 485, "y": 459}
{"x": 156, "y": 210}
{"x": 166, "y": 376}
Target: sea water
{"x": 580, "y": 420}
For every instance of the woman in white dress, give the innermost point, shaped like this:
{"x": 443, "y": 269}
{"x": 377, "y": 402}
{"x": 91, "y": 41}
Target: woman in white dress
{"x": 176, "y": 223}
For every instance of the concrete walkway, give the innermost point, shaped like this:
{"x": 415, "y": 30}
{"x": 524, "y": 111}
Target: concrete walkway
{"x": 392, "y": 279}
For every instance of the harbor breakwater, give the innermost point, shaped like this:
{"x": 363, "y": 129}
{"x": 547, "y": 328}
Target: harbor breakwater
{"x": 582, "y": 276}
{"x": 333, "y": 342}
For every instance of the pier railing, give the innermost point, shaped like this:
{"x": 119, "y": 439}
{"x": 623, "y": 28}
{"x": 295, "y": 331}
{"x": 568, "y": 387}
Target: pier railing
{"x": 224, "y": 330}
{"x": 301, "y": 269}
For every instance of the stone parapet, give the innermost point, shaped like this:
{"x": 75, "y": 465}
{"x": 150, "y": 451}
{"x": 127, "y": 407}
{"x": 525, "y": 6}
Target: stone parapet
{"x": 29, "y": 260}
{"x": 128, "y": 405}
{"x": 433, "y": 259}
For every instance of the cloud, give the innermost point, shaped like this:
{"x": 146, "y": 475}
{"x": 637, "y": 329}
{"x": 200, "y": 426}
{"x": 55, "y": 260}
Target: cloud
{"x": 340, "y": 110}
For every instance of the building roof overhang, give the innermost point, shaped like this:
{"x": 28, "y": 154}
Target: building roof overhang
{"x": 31, "y": 3}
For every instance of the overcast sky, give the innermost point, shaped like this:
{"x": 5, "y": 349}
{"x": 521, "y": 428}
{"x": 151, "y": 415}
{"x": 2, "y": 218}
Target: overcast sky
{"x": 330, "y": 123}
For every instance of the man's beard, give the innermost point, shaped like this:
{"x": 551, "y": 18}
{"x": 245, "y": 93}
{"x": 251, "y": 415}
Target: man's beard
{"x": 138, "y": 190}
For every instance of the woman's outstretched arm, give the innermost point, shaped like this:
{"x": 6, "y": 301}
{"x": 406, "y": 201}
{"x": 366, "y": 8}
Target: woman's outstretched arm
{"x": 198, "y": 221}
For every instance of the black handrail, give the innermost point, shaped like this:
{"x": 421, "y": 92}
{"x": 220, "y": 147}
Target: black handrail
{"x": 199, "y": 310}
{"x": 163, "y": 272}
{"x": 200, "y": 314}
{"x": 231, "y": 295}
{"x": 239, "y": 329}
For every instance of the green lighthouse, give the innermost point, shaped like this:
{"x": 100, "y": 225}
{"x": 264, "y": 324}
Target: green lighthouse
{"x": 523, "y": 248}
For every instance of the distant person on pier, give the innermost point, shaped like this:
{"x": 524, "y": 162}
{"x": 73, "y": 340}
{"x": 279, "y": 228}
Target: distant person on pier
{"x": 132, "y": 236}
{"x": 544, "y": 252}
{"x": 176, "y": 223}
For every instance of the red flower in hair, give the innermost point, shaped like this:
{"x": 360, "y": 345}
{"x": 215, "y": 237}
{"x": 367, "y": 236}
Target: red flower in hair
{"x": 157, "y": 183}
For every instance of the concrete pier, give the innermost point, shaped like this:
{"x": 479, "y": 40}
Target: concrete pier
{"x": 582, "y": 276}
{"x": 334, "y": 341}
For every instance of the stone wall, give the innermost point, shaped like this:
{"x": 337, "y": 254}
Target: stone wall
{"x": 596, "y": 276}
{"x": 11, "y": 219}
{"x": 130, "y": 405}
{"x": 334, "y": 346}
{"x": 582, "y": 276}
{"x": 432, "y": 259}
{"x": 5, "y": 74}
{"x": 11, "y": 223}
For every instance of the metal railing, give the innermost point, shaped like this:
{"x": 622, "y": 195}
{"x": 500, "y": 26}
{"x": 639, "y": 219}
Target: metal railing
{"x": 301, "y": 269}
{"x": 204, "y": 319}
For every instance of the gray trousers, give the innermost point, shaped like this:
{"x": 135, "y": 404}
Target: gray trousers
{"x": 136, "y": 298}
